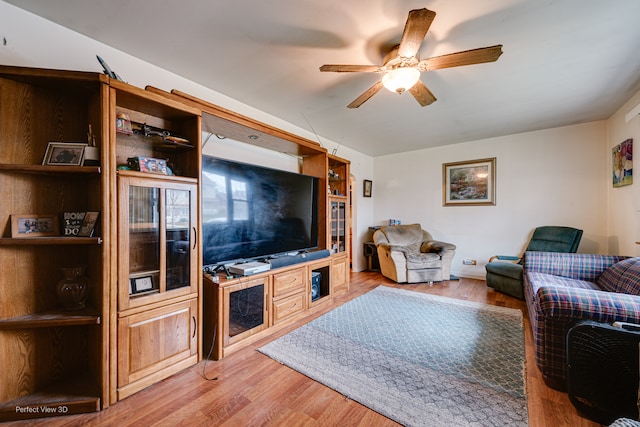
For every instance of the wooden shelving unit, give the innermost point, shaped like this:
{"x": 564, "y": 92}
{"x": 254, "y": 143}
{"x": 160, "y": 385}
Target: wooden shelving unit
{"x": 338, "y": 229}
{"x": 155, "y": 250}
{"x": 54, "y": 360}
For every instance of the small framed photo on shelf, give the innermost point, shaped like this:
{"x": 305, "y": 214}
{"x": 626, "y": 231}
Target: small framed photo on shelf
{"x": 64, "y": 154}
{"x": 30, "y": 225}
{"x": 140, "y": 284}
{"x": 89, "y": 224}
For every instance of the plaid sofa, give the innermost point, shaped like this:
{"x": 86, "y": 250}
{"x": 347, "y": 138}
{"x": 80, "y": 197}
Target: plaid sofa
{"x": 561, "y": 289}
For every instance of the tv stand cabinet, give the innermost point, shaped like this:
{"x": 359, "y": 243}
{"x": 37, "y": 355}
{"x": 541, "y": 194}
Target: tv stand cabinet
{"x": 268, "y": 301}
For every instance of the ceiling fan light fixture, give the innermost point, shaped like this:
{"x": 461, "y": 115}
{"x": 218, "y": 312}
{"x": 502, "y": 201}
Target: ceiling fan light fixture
{"x": 400, "y": 79}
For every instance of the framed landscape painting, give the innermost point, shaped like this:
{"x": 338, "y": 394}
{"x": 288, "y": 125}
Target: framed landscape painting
{"x": 469, "y": 183}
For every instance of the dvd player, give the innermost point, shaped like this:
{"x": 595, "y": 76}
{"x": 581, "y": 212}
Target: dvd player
{"x": 249, "y": 268}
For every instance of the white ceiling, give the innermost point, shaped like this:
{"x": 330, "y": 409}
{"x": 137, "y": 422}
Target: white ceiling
{"x": 564, "y": 61}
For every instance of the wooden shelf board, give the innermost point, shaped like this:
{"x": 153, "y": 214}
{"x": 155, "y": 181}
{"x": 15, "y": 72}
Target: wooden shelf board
{"x": 55, "y": 240}
{"x": 52, "y": 318}
{"x": 50, "y": 170}
{"x": 139, "y": 174}
{"x": 64, "y": 398}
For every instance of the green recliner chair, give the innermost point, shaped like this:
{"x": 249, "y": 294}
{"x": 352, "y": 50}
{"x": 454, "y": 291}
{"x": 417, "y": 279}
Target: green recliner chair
{"x": 504, "y": 273}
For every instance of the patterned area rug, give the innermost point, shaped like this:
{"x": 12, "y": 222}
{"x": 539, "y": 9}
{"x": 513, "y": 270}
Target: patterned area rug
{"x": 421, "y": 360}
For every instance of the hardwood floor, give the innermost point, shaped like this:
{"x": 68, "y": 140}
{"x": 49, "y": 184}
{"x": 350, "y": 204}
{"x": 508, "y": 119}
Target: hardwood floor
{"x": 249, "y": 389}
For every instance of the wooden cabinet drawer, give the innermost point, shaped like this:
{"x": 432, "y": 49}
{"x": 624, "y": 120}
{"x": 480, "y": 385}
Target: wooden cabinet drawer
{"x": 288, "y": 306}
{"x": 289, "y": 282}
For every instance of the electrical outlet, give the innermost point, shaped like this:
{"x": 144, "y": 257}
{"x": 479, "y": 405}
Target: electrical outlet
{"x": 469, "y": 261}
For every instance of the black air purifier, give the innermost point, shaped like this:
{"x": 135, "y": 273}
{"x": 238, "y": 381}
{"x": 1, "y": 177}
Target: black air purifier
{"x": 603, "y": 370}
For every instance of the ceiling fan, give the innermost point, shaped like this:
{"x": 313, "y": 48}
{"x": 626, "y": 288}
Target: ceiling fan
{"x": 401, "y": 66}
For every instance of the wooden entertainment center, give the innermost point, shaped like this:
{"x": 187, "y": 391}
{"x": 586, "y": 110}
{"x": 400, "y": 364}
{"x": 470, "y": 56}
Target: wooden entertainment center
{"x": 285, "y": 293}
{"x": 149, "y": 311}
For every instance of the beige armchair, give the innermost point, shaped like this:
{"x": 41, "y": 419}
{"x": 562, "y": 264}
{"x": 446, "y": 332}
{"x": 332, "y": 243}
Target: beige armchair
{"x": 408, "y": 254}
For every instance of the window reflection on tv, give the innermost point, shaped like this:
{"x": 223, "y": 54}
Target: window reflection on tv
{"x": 251, "y": 212}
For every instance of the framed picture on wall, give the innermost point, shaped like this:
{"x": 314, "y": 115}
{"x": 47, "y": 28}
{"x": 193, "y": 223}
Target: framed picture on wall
{"x": 622, "y": 156}
{"x": 367, "y": 188}
{"x": 469, "y": 183}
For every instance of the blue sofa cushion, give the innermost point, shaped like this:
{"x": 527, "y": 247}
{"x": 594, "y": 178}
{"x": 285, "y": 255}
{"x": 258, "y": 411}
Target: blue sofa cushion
{"x": 622, "y": 277}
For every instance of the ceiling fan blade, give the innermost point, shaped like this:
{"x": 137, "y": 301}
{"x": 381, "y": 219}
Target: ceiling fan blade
{"x": 422, "y": 94}
{"x": 467, "y": 57}
{"x": 366, "y": 95}
{"x": 418, "y": 23}
{"x": 352, "y": 68}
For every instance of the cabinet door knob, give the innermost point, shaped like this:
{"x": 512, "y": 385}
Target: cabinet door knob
{"x": 195, "y": 324}
{"x": 195, "y": 237}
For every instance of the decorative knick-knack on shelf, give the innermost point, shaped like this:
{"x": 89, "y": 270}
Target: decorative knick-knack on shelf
{"x": 73, "y": 289}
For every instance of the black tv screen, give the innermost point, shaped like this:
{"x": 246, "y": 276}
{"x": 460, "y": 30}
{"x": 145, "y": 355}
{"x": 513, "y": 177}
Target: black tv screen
{"x": 251, "y": 212}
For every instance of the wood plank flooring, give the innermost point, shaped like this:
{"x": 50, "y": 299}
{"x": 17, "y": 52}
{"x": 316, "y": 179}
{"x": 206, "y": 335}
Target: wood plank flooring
{"x": 249, "y": 389}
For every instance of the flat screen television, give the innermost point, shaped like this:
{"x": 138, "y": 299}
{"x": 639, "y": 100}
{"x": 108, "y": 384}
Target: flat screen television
{"x": 252, "y": 212}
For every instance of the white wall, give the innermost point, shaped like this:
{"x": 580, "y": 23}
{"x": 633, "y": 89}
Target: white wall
{"x": 246, "y": 153}
{"x": 32, "y": 41}
{"x": 549, "y": 177}
{"x": 624, "y": 202}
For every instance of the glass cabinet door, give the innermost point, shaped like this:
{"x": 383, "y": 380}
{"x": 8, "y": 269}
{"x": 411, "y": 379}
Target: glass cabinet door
{"x": 157, "y": 223}
{"x": 338, "y": 218}
{"x": 144, "y": 239}
{"x": 178, "y": 238}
